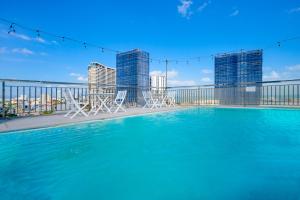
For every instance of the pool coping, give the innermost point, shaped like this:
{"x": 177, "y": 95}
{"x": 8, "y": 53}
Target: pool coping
{"x": 152, "y": 112}
{"x": 120, "y": 116}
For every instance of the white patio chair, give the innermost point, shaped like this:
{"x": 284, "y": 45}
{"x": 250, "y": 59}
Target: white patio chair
{"x": 149, "y": 101}
{"x": 118, "y": 102}
{"x": 171, "y": 98}
{"x": 162, "y": 101}
{"x": 74, "y": 106}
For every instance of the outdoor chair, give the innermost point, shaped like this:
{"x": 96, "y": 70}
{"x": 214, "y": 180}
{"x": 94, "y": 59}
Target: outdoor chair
{"x": 75, "y": 107}
{"x": 149, "y": 101}
{"x": 171, "y": 98}
{"x": 119, "y": 100}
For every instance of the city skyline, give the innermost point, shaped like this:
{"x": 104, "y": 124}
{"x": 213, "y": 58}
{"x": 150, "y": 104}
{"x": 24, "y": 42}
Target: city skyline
{"x": 179, "y": 30}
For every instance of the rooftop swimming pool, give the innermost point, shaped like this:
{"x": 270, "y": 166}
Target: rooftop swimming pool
{"x": 200, "y": 153}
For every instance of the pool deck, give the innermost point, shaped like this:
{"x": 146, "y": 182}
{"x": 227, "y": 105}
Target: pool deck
{"x": 34, "y": 122}
{"x": 58, "y": 119}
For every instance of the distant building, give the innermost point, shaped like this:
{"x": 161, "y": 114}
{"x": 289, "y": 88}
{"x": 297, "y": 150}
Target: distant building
{"x": 158, "y": 83}
{"x": 101, "y": 77}
{"x": 238, "y": 77}
{"x": 133, "y": 74}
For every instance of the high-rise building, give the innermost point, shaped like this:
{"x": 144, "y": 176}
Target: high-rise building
{"x": 238, "y": 77}
{"x": 158, "y": 83}
{"x": 101, "y": 77}
{"x": 133, "y": 74}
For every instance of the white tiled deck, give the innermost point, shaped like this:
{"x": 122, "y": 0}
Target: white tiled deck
{"x": 59, "y": 119}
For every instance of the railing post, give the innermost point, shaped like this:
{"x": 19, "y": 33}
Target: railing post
{"x": 3, "y": 99}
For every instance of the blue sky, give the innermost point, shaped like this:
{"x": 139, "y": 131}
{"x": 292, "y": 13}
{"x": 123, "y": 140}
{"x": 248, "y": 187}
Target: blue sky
{"x": 174, "y": 29}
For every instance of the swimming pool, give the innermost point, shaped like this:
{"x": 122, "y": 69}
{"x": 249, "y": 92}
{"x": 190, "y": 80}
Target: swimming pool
{"x": 205, "y": 153}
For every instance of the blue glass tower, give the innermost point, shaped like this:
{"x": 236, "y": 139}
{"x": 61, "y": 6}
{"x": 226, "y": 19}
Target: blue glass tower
{"x": 238, "y": 77}
{"x": 133, "y": 74}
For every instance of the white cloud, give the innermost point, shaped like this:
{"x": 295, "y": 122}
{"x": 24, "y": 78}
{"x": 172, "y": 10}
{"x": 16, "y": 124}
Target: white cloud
{"x": 79, "y": 77}
{"x": 288, "y": 72}
{"x": 157, "y": 73}
{"x": 40, "y": 40}
{"x": 28, "y": 38}
{"x": 206, "y": 80}
{"x": 3, "y": 50}
{"x": 172, "y": 78}
{"x": 23, "y": 51}
{"x": 171, "y": 74}
{"x": 272, "y": 76}
{"x": 184, "y": 9}
{"x": 294, "y": 10}
{"x": 21, "y": 36}
{"x": 82, "y": 78}
{"x": 174, "y": 83}
{"x": 291, "y": 72}
{"x": 75, "y": 74}
{"x": 294, "y": 68}
{"x": 207, "y": 71}
{"x": 203, "y": 6}
{"x": 236, "y": 12}
{"x": 54, "y": 42}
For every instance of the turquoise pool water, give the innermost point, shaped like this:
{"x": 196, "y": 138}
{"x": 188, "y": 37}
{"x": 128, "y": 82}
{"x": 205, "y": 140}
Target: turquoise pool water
{"x": 190, "y": 154}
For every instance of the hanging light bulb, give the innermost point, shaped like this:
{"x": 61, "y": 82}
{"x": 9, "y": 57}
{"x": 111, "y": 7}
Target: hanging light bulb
{"x": 38, "y": 33}
{"x": 12, "y": 28}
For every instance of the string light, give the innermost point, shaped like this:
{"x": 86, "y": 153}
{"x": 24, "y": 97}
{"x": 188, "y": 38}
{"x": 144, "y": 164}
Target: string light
{"x": 12, "y": 28}
{"x": 38, "y": 33}
{"x": 13, "y": 25}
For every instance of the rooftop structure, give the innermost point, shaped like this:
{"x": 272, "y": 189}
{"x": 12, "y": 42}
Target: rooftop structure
{"x": 133, "y": 74}
{"x": 237, "y": 71}
{"x": 101, "y": 76}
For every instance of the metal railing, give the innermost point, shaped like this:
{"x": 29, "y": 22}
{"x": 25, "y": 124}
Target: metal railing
{"x": 269, "y": 93}
{"x": 22, "y": 97}
{"x": 26, "y": 97}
